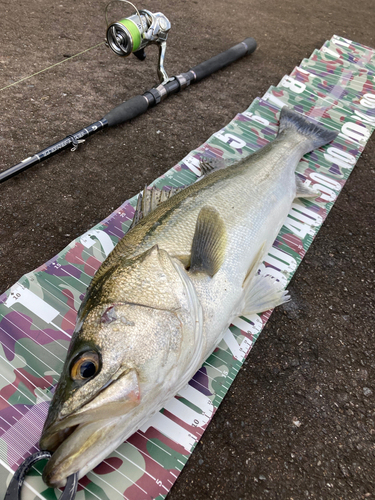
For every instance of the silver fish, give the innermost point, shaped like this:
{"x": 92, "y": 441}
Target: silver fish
{"x": 165, "y": 296}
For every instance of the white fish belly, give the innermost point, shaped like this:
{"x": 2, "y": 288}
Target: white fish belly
{"x": 254, "y": 213}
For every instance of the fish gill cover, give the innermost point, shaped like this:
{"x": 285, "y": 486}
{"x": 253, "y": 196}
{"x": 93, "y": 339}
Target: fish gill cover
{"x": 335, "y": 87}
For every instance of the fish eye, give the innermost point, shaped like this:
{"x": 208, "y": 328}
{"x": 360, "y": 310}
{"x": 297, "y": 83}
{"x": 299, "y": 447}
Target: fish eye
{"x": 85, "y": 366}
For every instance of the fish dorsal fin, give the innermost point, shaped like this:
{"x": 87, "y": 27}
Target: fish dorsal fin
{"x": 149, "y": 200}
{"x": 209, "y": 242}
{"x": 208, "y": 165}
{"x": 305, "y": 191}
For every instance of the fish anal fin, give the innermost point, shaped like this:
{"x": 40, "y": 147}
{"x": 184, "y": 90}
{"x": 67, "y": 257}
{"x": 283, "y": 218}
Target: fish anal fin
{"x": 303, "y": 190}
{"x": 209, "y": 242}
{"x": 149, "y": 200}
{"x": 263, "y": 293}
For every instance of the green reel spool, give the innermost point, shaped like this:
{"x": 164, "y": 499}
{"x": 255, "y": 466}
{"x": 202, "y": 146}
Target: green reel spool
{"x": 132, "y": 34}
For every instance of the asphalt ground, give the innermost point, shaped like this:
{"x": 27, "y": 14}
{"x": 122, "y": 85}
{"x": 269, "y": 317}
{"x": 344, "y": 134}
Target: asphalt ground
{"x": 315, "y": 358}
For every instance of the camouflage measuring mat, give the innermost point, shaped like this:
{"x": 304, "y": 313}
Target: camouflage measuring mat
{"x": 335, "y": 87}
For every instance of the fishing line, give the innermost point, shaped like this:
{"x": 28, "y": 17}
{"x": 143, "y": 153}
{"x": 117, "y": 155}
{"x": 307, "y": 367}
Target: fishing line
{"x": 52, "y": 66}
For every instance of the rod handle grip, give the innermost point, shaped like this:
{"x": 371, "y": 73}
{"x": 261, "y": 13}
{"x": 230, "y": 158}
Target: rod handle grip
{"x": 127, "y": 110}
{"x": 222, "y": 60}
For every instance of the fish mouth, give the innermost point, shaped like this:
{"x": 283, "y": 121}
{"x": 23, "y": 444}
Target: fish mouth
{"x": 82, "y": 440}
{"x": 52, "y": 439}
{"x": 79, "y": 452}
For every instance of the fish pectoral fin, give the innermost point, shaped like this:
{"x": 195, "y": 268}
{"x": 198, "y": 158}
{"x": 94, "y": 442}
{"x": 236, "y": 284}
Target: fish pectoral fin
{"x": 263, "y": 293}
{"x": 305, "y": 191}
{"x": 183, "y": 258}
{"x": 149, "y": 200}
{"x": 209, "y": 242}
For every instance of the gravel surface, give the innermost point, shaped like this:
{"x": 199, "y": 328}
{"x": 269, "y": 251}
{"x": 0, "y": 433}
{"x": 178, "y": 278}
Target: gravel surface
{"x": 299, "y": 420}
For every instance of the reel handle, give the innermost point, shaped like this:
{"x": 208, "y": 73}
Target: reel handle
{"x": 222, "y": 60}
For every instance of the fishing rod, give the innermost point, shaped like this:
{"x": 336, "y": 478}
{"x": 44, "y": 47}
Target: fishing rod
{"x": 131, "y": 36}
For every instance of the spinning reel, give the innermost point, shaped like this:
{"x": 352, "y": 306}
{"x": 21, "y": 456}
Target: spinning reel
{"x": 132, "y": 35}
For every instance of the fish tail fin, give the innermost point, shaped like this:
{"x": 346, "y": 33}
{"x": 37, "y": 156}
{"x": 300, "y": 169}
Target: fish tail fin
{"x": 316, "y": 135}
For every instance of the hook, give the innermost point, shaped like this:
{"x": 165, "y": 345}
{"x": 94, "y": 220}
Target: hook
{"x": 14, "y": 489}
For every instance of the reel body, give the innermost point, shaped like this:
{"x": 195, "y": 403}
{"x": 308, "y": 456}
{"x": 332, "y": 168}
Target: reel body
{"x": 132, "y": 35}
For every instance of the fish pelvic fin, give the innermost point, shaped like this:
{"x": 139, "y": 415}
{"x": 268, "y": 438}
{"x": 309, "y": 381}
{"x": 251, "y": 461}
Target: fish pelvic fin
{"x": 316, "y": 135}
{"x": 254, "y": 265}
{"x": 305, "y": 191}
{"x": 209, "y": 242}
{"x": 263, "y": 293}
{"x": 260, "y": 292}
{"x": 149, "y": 200}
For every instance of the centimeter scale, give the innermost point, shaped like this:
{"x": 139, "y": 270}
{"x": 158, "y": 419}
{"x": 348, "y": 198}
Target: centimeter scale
{"x": 335, "y": 86}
